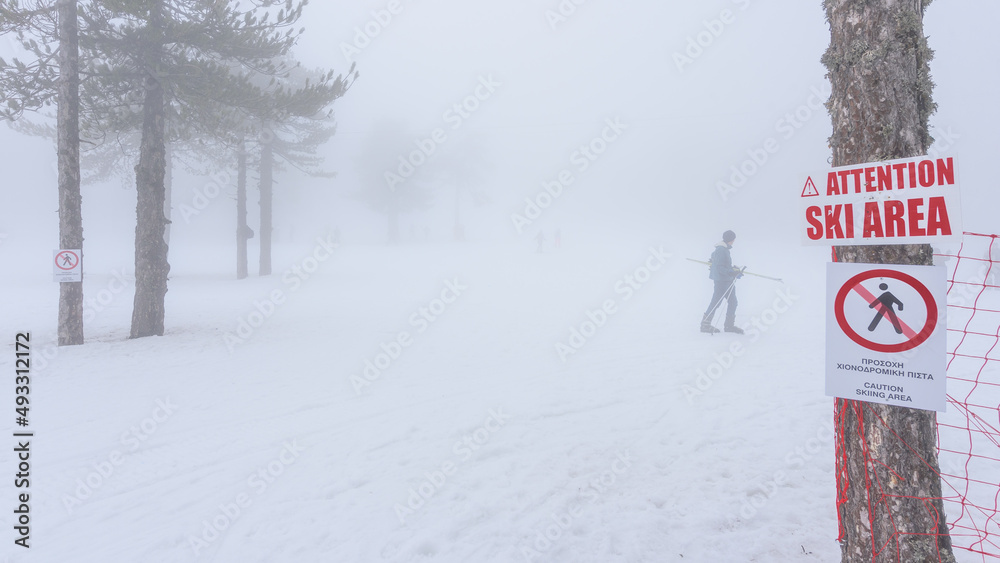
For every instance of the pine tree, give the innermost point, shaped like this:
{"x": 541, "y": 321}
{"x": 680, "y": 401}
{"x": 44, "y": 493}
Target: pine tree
{"x": 189, "y": 60}
{"x": 880, "y": 104}
{"x": 293, "y": 127}
{"x": 68, "y": 150}
{"x": 266, "y": 200}
{"x": 195, "y": 66}
{"x": 243, "y": 231}
{"x": 33, "y": 85}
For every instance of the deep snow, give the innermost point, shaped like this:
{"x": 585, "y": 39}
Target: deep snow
{"x": 477, "y": 442}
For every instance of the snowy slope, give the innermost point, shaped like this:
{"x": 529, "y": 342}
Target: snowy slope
{"x": 477, "y": 442}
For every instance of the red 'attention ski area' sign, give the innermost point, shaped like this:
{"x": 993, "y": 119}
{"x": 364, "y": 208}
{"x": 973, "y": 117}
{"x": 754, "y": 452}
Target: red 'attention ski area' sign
{"x": 913, "y": 200}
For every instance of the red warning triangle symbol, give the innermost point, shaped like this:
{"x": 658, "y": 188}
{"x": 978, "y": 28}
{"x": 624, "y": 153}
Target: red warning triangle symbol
{"x": 810, "y": 188}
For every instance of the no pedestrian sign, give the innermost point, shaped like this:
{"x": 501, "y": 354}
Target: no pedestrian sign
{"x": 886, "y": 334}
{"x": 66, "y": 266}
{"x": 907, "y": 201}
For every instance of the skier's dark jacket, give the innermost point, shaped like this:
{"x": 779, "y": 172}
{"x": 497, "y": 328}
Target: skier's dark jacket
{"x": 722, "y": 269}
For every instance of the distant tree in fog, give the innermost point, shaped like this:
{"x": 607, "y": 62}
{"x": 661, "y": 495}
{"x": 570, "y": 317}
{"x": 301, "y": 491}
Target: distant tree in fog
{"x": 383, "y": 150}
{"x": 462, "y": 166}
{"x": 185, "y": 56}
{"x": 290, "y": 130}
{"x": 159, "y": 72}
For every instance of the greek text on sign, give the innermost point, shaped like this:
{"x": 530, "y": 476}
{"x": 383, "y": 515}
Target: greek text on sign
{"x": 886, "y": 334}
{"x": 913, "y": 200}
{"x": 66, "y": 266}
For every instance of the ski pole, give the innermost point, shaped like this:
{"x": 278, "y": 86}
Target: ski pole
{"x": 742, "y": 271}
{"x": 718, "y": 309}
{"x": 724, "y": 297}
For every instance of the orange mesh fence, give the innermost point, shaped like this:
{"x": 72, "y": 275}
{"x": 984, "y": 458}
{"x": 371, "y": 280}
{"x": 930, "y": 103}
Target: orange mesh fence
{"x": 969, "y": 432}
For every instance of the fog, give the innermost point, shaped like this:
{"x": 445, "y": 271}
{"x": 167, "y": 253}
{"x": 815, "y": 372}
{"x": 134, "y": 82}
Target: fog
{"x": 697, "y": 89}
{"x": 626, "y": 136}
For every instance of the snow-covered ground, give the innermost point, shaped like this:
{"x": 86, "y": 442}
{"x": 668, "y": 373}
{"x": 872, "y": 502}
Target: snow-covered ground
{"x": 435, "y": 403}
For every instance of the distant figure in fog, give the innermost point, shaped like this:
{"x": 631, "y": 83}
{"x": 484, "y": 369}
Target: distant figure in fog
{"x": 558, "y": 238}
{"x": 541, "y": 240}
{"x": 724, "y": 276}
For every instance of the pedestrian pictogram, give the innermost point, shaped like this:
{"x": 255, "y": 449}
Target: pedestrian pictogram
{"x": 67, "y": 260}
{"x": 885, "y": 338}
{"x": 884, "y": 304}
{"x": 66, "y": 266}
{"x": 857, "y": 297}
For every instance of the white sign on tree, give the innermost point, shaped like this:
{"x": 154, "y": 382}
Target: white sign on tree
{"x": 886, "y": 334}
{"x": 67, "y": 265}
{"x": 906, "y": 201}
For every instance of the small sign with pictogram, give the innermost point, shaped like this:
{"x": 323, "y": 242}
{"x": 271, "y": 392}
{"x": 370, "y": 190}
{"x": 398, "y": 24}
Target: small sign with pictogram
{"x": 67, "y": 266}
{"x": 886, "y": 334}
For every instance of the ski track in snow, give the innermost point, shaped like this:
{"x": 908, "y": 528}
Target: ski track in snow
{"x": 603, "y": 450}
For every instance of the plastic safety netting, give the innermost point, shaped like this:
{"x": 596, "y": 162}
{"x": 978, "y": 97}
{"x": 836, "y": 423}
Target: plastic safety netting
{"x": 968, "y": 433}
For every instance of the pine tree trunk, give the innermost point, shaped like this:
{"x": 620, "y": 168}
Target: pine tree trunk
{"x": 168, "y": 185}
{"x": 151, "y": 266}
{"x": 68, "y": 154}
{"x": 266, "y": 201}
{"x": 889, "y": 506}
{"x": 242, "y": 229}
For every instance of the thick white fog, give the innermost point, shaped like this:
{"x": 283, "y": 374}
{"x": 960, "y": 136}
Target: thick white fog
{"x": 630, "y": 134}
{"x": 697, "y": 88}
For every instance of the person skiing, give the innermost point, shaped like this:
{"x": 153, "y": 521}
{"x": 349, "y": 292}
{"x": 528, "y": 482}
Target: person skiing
{"x": 724, "y": 274}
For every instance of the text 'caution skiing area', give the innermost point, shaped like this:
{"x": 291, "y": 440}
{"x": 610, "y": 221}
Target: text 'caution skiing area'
{"x": 886, "y": 334}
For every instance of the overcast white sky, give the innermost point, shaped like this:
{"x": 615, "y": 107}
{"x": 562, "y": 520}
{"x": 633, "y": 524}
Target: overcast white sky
{"x": 555, "y": 87}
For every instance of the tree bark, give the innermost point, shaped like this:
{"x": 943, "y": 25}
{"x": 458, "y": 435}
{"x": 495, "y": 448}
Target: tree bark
{"x": 242, "y": 229}
{"x": 68, "y": 155}
{"x": 168, "y": 186}
{"x": 266, "y": 202}
{"x": 151, "y": 266}
{"x": 889, "y": 489}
